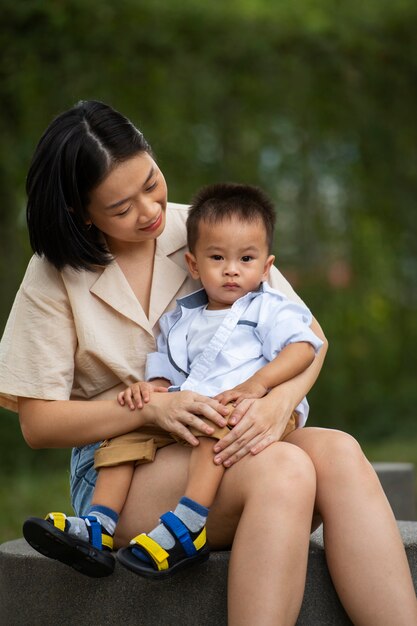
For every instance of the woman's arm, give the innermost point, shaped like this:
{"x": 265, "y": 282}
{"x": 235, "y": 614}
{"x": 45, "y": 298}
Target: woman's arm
{"x": 262, "y": 422}
{"x": 67, "y": 423}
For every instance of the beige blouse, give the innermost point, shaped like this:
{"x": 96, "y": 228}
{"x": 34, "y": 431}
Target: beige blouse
{"x": 83, "y": 335}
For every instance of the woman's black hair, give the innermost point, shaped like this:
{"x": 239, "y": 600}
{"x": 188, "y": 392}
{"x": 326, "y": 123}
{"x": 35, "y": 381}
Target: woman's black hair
{"x": 75, "y": 153}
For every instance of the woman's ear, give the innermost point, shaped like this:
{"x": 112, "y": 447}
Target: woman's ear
{"x": 267, "y": 267}
{"x": 192, "y": 265}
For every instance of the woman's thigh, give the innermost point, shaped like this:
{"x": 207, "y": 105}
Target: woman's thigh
{"x": 157, "y": 487}
{"x": 327, "y": 446}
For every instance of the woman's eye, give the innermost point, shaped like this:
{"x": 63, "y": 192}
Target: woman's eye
{"x": 124, "y": 212}
{"x": 151, "y": 187}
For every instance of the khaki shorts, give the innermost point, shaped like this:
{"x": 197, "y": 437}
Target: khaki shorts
{"x": 140, "y": 446}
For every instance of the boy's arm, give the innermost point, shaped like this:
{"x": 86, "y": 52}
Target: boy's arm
{"x": 293, "y": 359}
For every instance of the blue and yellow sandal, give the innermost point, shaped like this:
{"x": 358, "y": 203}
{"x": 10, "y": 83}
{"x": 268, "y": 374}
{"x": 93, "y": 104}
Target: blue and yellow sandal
{"x": 153, "y": 561}
{"x": 50, "y": 537}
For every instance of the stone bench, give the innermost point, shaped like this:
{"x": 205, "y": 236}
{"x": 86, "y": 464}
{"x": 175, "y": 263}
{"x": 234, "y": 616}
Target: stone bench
{"x": 36, "y": 590}
{"x": 398, "y": 481}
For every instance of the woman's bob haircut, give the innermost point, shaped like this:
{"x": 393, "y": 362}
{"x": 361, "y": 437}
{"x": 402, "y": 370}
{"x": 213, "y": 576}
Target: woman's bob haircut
{"x": 75, "y": 153}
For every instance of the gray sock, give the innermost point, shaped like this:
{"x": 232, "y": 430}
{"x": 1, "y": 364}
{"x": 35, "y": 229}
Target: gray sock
{"x": 192, "y": 514}
{"x": 78, "y": 526}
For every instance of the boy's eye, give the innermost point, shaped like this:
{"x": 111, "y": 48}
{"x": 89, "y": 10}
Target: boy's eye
{"x": 217, "y": 257}
{"x": 247, "y": 258}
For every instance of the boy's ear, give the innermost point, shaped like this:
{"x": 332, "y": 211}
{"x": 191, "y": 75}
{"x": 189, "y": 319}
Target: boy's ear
{"x": 192, "y": 265}
{"x": 268, "y": 264}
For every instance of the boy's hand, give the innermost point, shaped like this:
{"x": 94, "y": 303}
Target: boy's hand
{"x": 138, "y": 394}
{"x": 251, "y": 388}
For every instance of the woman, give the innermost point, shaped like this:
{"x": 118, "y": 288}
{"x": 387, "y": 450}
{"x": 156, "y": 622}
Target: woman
{"x": 109, "y": 263}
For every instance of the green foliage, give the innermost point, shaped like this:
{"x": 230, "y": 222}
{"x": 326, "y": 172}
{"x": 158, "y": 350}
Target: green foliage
{"x": 315, "y": 101}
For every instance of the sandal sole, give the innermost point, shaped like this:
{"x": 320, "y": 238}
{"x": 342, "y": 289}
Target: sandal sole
{"x": 59, "y": 545}
{"x": 128, "y": 560}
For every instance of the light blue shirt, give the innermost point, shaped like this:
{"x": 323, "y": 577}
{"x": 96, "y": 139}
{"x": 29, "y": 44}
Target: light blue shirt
{"x": 254, "y": 330}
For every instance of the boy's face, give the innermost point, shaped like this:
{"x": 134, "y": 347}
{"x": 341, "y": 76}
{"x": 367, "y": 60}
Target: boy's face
{"x": 230, "y": 258}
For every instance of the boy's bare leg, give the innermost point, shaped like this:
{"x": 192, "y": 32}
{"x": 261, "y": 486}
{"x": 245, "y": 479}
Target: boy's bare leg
{"x": 204, "y": 476}
{"x": 112, "y": 486}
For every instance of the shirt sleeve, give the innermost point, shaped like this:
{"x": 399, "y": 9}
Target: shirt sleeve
{"x": 283, "y": 323}
{"x": 39, "y": 342}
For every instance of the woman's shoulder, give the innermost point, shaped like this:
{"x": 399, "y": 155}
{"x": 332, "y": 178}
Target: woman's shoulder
{"x": 41, "y": 274}
{"x": 174, "y": 236}
{"x": 177, "y": 212}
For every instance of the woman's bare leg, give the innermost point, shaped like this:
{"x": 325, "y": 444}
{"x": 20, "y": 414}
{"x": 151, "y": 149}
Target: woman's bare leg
{"x": 364, "y": 551}
{"x": 264, "y": 506}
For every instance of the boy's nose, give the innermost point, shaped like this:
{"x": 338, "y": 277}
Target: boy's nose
{"x": 231, "y": 270}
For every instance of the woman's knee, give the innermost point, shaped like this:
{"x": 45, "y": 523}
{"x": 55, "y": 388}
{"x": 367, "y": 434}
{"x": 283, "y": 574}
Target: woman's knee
{"x": 340, "y": 454}
{"x": 281, "y": 468}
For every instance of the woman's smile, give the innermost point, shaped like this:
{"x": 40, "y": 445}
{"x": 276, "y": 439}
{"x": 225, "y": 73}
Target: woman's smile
{"x": 154, "y": 226}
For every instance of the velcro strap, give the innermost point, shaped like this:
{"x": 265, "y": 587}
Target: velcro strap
{"x": 200, "y": 541}
{"x": 94, "y": 530}
{"x": 155, "y": 551}
{"x": 179, "y": 530}
{"x": 59, "y": 520}
{"x": 107, "y": 541}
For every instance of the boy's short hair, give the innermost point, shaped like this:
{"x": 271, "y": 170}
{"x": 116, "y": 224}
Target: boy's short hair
{"x": 214, "y": 203}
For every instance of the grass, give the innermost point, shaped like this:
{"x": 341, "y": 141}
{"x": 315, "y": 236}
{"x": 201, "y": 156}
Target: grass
{"x": 36, "y": 482}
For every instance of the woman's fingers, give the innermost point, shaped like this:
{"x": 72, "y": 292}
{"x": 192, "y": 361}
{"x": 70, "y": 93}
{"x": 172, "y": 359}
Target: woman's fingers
{"x": 177, "y": 412}
{"x": 252, "y": 434}
{"x": 240, "y": 410}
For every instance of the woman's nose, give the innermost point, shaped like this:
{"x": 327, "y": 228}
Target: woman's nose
{"x": 148, "y": 211}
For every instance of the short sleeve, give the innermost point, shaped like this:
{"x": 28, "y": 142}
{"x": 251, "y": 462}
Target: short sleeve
{"x": 38, "y": 344}
{"x": 282, "y": 322}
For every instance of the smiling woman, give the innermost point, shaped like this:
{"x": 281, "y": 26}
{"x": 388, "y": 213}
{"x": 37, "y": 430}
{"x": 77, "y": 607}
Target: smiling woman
{"x": 142, "y": 208}
{"x": 85, "y": 318}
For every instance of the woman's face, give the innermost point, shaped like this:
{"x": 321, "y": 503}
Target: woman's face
{"x": 129, "y": 205}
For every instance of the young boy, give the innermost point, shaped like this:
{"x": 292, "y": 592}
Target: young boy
{"x": 234, "y": 339}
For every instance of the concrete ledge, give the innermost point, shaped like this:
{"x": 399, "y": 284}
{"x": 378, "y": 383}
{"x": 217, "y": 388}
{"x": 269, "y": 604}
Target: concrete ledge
{"x": 398, "y": 481}
{"x": 36, "y": 590}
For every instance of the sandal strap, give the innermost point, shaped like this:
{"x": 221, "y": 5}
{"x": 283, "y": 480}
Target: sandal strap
{"x": 97, "y": 537}
{"x": 59, "y": 520}
{"x": 153, "y": 549}
{"x": 95, "y": 532}
{"x": 180, "y": 531}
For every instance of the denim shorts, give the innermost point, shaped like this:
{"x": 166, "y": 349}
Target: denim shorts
{"x": 82, "y": 477}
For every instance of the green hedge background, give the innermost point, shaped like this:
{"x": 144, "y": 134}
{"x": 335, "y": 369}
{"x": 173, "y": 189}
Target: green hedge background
{"x": 313, "y": 100}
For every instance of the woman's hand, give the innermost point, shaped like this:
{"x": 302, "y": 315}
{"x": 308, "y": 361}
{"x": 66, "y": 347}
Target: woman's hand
{"x": 175, "y": 412}
{"x": 258, "y": 424}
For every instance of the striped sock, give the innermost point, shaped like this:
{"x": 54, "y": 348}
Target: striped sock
{"x": 191, "y": 513}
{"x": 106, "y": 516}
